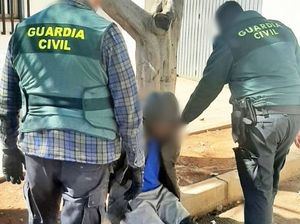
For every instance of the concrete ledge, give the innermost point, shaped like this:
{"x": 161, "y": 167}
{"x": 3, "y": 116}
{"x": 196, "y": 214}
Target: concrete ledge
{"x": 205, "y": 196}
{"x": 209, "y": 195}
{"x": 234, "y": 191}
{"x": 222, "y": 127}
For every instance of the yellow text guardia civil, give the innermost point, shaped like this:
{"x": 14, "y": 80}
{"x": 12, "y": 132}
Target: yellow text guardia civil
{"x": 55, "y": 43}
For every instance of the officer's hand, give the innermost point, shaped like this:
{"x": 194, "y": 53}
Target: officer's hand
{"x": 136, "y": 176}
{"x": 12, "y": 161}
{"x": 297, "y": 140}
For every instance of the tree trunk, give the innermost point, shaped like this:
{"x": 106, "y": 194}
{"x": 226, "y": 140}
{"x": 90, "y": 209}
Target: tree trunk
{"x": 156, "y": 33}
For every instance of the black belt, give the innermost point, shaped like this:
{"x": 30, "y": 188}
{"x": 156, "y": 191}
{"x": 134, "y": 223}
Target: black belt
{"x": 69, "y": 103}
{"x": 293, "y": 110}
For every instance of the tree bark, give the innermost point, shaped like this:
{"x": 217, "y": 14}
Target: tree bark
{"x": 157, "y": 34}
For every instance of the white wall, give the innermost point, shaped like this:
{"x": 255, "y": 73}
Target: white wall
{"x": 3, "y": 47}
{"x": 36, "y": 6}
{"x": 4, "y": 39}
{"x": 129, "y": 41}
{"x": 286, "y": 11}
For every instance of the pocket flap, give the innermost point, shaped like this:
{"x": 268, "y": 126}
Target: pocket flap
{"x": 98, "y": 108}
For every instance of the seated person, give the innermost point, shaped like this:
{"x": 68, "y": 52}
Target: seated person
{"x": 159, "y": 200}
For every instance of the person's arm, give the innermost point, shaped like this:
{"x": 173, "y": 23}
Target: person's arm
{"x": 170, "y": 153}
{"x": 215, "y": 76}
{"x": 122, "y": 84}
{"x": 10, "y": 105}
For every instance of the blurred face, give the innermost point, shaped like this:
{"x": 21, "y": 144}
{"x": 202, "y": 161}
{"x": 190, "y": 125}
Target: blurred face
{"x": 95, "y": 3}
{"x": 163, "y": 131}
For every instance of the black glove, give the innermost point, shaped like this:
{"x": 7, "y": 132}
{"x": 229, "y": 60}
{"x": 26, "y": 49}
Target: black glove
{"x": 136, "y": 176}
{"x": 12, "y": 161}
{"x": 188, "y": 220}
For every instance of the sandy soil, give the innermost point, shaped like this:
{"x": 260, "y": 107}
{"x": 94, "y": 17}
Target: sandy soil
{"x": 202, "y": 155}
{"x": 12, "y": 204}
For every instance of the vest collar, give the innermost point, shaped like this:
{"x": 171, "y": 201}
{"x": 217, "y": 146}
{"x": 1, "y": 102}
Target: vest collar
{"x": 80, "y": 4}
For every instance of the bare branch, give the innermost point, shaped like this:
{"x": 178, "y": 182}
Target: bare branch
{"x": 128, "y": 14}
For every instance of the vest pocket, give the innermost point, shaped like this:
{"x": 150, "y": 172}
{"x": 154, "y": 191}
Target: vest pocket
{"x": 98, "y": 108}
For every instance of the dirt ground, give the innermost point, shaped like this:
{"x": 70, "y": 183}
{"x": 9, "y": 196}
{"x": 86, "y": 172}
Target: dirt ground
{"x": 202, "y": 155}
{"x": 12, "y": 204}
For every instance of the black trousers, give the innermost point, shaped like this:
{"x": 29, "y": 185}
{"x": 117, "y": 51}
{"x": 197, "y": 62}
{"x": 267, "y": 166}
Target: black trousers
{"x": 260, "y": 162}
{"x": 82, "y": 187}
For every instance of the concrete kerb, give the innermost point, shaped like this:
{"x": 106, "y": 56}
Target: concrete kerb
{"x": 205, "y": 196}
{"x": 209, "y": 195}
{"x": 210, "y": 129}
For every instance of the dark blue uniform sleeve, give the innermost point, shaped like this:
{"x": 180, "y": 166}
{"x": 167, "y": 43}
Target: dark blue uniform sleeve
{"x": 215, "y": 76}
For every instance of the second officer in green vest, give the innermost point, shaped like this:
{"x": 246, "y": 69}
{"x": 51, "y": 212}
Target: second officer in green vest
{"x": 260, "y": 60}
{"x": 72, "y": 70}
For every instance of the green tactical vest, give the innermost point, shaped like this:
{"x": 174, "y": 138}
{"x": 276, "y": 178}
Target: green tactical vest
{"x": 57, "y": 57}
{"x": 265, "y": 64}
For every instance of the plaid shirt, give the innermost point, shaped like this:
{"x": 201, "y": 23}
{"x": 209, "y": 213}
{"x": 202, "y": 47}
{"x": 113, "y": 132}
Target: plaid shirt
{"x": 69, "y": 145}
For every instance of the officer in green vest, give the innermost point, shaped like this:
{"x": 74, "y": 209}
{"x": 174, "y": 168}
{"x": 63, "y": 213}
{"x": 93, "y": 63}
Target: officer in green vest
{"x": 71, "y": 70}
{"x": 260, "y": 60}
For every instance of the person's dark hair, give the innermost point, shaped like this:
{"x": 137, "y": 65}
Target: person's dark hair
{"x": 227, "y": 13}
{"x": 162, "y": 106}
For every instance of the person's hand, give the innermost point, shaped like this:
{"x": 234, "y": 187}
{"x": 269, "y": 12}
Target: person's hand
{"x": 297, "y": 140}
{"x": 12, "y": 167}
{"x": 136, "y": 176}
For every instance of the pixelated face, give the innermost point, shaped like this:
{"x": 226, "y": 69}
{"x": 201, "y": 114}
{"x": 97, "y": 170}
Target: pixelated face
{"x": 95, "y": 3}
{"x": 163, "y": 131}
